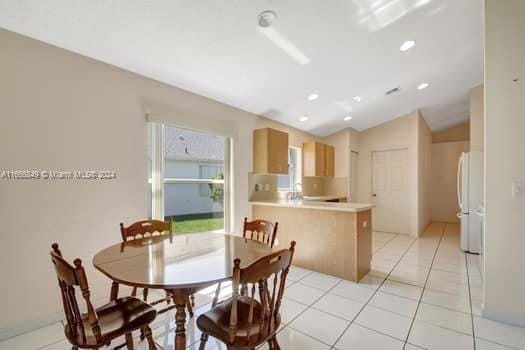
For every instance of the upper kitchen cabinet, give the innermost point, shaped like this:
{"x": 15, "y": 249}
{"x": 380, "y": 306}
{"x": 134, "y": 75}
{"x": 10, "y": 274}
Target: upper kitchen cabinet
{"x": 318, "y": 159}
{"x": 270, "y": 151}
{"x": 329, "y": 160}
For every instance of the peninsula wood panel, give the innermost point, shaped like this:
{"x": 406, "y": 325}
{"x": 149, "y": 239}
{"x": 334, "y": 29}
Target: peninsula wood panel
{"x": 326, "y": 240}
{"x": 364, "y": 242}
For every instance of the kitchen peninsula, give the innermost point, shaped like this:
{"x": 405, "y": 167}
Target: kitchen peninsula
{"x": 332, "y": 238}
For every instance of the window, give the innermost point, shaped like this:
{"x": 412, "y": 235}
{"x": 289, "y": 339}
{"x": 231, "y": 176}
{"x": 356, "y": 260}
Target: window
{"x": 287, "y": 182}
{"x": 192, "y": 186}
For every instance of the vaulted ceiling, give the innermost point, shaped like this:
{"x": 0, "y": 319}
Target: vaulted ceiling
{"x": 337, "y": 49}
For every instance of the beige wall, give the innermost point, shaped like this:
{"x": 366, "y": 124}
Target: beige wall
{"x": 398, "y": 133}
{"x": 459, "y": 132}
{"x": 476, "y": 118}
{"x": 341, "y": 141}
{"x": 504, "y": 160}
{"x": 424, "y": 149}
{"x": 66, "y": 112}
{"x": 443, "y": 192}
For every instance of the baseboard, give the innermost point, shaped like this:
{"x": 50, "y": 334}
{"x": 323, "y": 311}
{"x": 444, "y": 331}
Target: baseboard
{"x": 6, "y": 333}
{"x": 510, "y": 319}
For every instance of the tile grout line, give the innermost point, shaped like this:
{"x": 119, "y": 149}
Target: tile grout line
{"x": 470, "y": 303}
{"x": 425, "y": 285}
{"x": 375, "y": 292}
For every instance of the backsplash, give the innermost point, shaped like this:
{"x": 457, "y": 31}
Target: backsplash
{"x": 266, "y": 185}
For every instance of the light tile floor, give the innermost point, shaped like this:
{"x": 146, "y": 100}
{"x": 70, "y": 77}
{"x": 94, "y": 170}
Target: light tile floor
{"x": 421, "y": 294}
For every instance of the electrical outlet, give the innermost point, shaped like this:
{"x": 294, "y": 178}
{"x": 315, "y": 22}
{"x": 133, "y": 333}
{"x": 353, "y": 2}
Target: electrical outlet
{"x": 257, "y": 187}
{"x": 518, "y": 189}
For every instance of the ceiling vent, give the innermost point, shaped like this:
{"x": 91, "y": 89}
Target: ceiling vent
{"x": 393, "y": 91}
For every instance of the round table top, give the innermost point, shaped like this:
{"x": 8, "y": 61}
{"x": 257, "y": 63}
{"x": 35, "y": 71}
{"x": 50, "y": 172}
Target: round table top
{"x": 186, "y": 261}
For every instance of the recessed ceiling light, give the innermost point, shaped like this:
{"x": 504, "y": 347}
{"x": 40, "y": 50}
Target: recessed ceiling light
{"x": 303, "y": 119}
{"x": 347, "y": 118}
{"x": 357, "y": 98}
{"x": 407, "y": 45}
{"x": 422, "y": 86}
{"x": 313, "y": 96}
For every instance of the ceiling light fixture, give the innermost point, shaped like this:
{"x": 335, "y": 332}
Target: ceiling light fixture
{"x": 422, "y": 86}
{"x": 303, "y": 119}
{"x": 347, "y": 118}
{"x": 313, "y": 96}
{"x": 407, "y": 45}
{"x": 357, "y": 99}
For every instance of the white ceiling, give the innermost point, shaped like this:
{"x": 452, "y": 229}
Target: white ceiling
{"x": 337, "y": 48}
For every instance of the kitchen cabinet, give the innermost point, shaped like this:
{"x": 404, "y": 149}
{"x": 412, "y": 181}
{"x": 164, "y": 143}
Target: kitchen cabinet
{"x": 318, "y": 159}
{"x": 329, "y": 160}
{"x": 270, "y": 151}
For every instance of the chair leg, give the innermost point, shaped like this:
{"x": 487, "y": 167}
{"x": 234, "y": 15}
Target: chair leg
{"x": 270, "y": 344}
{"x": 204, "y": 339}
{"x": 216, "y": 296}
{"x": 149, "y": 336}
{"x": 145, "y": 294}
{"x": 134, "y": 292}
{"x": 190, "y": 308}
{"x": 129, "y": 341}
{"x": 275, "y": 343}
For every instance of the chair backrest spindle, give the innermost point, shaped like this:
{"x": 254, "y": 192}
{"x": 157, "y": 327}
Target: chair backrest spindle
{"x": 68, "y": 278}
{"x": 260, "y": 230}
{"x": 146, "y": 228}
{"x": 275, "y": 265}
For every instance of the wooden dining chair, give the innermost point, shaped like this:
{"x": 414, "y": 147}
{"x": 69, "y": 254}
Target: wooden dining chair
{"x": 260, "y": 230}
{"x": 243, "y": 322}
{"x": 149, "y": 228}
{"x": 98, "y": 327}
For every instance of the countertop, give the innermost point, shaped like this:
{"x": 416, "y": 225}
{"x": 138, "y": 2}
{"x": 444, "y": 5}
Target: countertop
{"x": 302, "y": 204}
{"x": 321, "y": 198}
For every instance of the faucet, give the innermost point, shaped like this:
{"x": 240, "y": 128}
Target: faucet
{"x": 295, "y": 194}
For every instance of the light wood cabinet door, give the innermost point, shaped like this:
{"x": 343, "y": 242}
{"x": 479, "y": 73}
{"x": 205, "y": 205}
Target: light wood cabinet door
{"x": 313, "y": 159}
{"x": 318, "y": 159}
{"x": 270, "y": 151}
{"x": 329, "y": 160}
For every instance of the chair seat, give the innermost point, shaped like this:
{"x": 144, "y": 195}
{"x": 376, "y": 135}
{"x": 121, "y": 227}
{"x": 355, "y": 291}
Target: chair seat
{"x": 216, "y": 322}
{"x": 115, "y": 319}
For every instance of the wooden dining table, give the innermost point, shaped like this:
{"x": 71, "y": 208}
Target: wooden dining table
{"x": 181, "y": 265}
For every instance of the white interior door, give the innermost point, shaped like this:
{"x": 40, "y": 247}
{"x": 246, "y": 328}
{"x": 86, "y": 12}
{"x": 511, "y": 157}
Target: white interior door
{"x": 353, "y": 176}
{"x": 390, "y": 191}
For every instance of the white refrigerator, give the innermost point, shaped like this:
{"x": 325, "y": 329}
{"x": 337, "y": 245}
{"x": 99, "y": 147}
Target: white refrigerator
{"x": 470, "y": 192}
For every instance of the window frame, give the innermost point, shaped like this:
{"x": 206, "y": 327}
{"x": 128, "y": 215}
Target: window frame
{"x": 298, "y": 170}
{"x": 157, "y": 181}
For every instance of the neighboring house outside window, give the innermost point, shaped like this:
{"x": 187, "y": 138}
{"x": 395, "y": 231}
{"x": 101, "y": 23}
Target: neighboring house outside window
{"x": 193, "y": 179}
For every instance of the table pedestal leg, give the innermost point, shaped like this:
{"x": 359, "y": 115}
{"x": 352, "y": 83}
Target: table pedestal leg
{"x": 180, "y": 319}
{"x": 114, "y": 291}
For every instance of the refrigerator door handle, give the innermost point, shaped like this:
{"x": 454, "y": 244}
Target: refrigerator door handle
{"x": 460, "y": 165}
